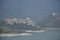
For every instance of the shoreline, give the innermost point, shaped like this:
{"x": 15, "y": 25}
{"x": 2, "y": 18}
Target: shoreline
{"x": 10, "y": 35}
{"x": 28, "y": 32}
{"x": 34, "y": 31}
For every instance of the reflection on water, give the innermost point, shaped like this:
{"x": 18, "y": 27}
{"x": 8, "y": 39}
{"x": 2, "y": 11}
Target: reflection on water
{"x": 48, "y": 35}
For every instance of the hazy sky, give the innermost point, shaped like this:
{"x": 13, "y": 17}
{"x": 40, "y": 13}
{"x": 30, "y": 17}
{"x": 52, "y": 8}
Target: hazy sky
{"x": 35, "y": 9}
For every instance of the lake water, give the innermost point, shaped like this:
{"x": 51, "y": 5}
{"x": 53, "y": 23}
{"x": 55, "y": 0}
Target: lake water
{"x": 48, "y": 35}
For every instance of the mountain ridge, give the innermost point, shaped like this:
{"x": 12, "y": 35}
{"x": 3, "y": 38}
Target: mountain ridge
{"x": 51, "y": 21}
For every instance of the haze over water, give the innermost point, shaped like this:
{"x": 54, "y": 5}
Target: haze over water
{"x": 35, "y": 9}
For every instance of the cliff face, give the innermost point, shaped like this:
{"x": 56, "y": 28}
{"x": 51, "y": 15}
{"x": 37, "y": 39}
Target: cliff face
{"x": 52, "y": 21}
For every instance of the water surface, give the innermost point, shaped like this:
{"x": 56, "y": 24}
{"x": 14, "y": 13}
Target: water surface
{"x": 48, "y": 35}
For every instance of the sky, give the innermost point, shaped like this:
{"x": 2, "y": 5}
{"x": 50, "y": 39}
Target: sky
{"x": 37, "y": 10}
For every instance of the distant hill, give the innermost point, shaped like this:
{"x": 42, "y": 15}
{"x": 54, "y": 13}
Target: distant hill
{"x": 51, "y": 21}
{"x": 6, "y": 27}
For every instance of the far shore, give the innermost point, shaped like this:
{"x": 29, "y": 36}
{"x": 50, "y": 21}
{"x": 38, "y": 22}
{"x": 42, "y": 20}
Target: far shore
{"x": 34, "y": 30}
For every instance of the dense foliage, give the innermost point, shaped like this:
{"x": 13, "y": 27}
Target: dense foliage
{"x": 7, "y": 28}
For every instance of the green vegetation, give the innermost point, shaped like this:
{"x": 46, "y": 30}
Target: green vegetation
{"x": 16, "y": 28}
